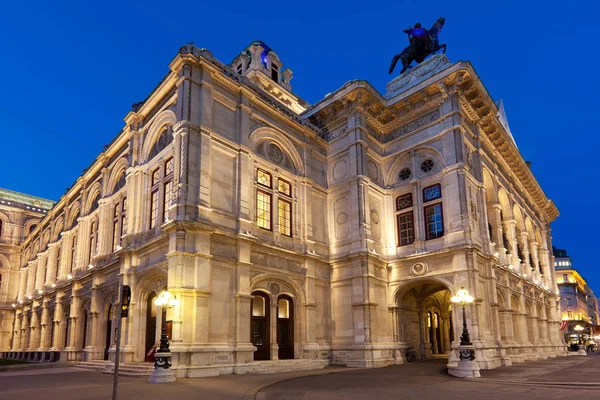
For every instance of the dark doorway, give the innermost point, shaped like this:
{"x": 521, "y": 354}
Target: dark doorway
{"x": 260, "y": 325}
{"x": 285, "y": 327}
{"x": 150, "y": 325}
{"x": 67, "y": 329}
{"x": 108, "y": 331}
{"x": 85, "y": 324}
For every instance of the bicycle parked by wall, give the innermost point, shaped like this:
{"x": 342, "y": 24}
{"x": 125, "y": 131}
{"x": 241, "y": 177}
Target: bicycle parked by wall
{"x": 411, "y": 354}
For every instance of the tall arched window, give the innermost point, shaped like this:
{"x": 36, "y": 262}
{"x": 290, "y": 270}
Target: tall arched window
{"x": 57, "y": 262}
{"x": 73, "y": 251}
{"x": 119, "y": 223}
{"x": 1, "y": 228}
{"x": 92, "y": 241}
{"x": 161, "y": 193}
{"x": 165, "y": 138}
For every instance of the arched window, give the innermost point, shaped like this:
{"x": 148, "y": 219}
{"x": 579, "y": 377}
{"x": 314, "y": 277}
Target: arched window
{"x": 0, "y": 228}
{"x": 92, "y": 241}
{"x": 32, "y": 227}
{"x": 120, "y": 183}
{"x": 95, "y": 204}
{"x": 161, "y": 193}
{"x": 165, "y": 138}
{"x": 119, "y": 223}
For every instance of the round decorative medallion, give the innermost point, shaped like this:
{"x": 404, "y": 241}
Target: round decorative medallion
{"x": 275, "y": 153}
{"x": 341, "y": 218}
{"x": 418, "y": 269}
{"x": 404, "y": 174}
{"x": 374, "y": 217}
{"x": 274, "y": 288}
{"x": 427, "y": 165}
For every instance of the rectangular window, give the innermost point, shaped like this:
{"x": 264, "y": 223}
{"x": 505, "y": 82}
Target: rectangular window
{"x": 565, "y": 278}
{"x": 123, "y": 217}
{"x": 285, "y": 217}
{"x": 153, "y": 208}
{"x": 274, "y": 73}
{"x": 263, "y": 178}
{"x": 73, "y": 251}
{"x": 167, "y": 201}
{"x": 263, "y": 209}
{"x": 155, "y": 177}
{"x": 239, "y": 68}
{"x": 432, "y": 192}
{"x": 169, "y": 166}
{"x": 406, "y": 229}
{"x": 434, "y": 224}
{"x": 285, "y": 187}
{"x": 58, "y": 262}
{"x": 115, "y": 234}
{"x": 404, "y": 201}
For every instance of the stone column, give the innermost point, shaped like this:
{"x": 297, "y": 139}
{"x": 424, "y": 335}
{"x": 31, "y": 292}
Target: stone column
{"x": 44, "y": 326}
{"x": 509, "y": 226}
{"x": 523, "y": 240}
{"x": 445, "y": 332}
{"x": 16, "y": 345}
{"x": 495, "y": 219}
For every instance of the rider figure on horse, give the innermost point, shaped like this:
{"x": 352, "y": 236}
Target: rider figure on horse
{"x": 419, "y": 38}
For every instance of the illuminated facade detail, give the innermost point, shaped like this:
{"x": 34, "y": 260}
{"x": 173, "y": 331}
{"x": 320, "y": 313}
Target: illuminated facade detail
{"x": 270, "y": 219}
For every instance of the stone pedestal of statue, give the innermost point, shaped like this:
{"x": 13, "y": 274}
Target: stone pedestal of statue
{"x": 467, "y": 367}
{"x": 416, "y": 75}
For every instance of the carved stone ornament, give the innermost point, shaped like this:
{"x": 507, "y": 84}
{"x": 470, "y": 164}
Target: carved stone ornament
{"x": 275, "y": 153}
{"x": 418, "y": 269}
{"x": 341, "y": 218}
{"x": 274, "y": 288}
{"x": 374, "y": 217}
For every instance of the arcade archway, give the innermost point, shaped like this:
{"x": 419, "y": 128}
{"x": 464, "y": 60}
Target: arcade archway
{"x": 424, "y": 319}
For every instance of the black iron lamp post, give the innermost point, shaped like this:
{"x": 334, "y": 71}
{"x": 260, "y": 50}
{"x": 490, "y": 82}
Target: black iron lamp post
{"x": 463, "y": 298}
{"x": 162, "y": 356}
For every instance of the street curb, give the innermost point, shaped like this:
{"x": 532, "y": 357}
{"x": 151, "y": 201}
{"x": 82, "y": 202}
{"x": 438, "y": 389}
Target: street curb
{"x": 253, "y": 391}
{"x": 33, "y": 366}
{"x": 553, "y": 384}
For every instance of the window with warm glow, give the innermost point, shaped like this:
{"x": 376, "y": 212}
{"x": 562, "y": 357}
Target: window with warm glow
{"x": 285, "y": 217}
{"x": 258, "y": 306}
{"x": 283, "y": 308}
{"x": 263, "y": 209}
{"x": 263, "y": 178}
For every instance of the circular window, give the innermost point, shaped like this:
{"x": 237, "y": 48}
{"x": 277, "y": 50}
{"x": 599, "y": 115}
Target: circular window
{"x": 427, "y": 165}
{"x": 404, "y": 174}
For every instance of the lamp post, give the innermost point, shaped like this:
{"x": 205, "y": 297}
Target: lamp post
{"x": 162, "y": 357}
{"x": 466, "y": 367}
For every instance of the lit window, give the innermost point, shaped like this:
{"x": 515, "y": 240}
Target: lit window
{"x": 263, "y": 209}
{"x": 263, "y": 178}
{"x": 285, "y": 217}
{"x": 285, "y": 187}
{"x": 434, "y": 225}
{"x": 258, "y": 306}
{"x": 283, "y": 308}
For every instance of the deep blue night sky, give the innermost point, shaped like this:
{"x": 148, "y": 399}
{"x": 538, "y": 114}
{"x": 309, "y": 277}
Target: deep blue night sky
{"x": 75, "y": 68}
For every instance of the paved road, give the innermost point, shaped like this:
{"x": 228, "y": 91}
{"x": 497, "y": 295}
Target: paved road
{"x": 423, "y": 380}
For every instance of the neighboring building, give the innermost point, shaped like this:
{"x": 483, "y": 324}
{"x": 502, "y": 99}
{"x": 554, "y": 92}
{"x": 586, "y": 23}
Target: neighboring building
{"x": 19, "y": 216}
{"x": 332, "y": 233}
{"x": 578, "y": 303}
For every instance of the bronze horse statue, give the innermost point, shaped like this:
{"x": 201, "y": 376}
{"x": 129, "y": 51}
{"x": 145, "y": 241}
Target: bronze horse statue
{"x": 423, "y": 42}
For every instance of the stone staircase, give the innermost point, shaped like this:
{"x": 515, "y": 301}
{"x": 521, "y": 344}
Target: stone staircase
{"x": 126, "y": 369}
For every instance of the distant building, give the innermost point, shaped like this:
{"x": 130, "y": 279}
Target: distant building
{"x": 578, "y": 303}
{"x": 20, "y": 215}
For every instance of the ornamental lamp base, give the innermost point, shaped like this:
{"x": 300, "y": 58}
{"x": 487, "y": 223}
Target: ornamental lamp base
{"x": 161, "y": 375}
{"x": 467, "y": 367}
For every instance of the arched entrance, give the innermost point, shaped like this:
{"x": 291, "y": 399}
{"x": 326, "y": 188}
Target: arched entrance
{"x": 285, "y": 327}
{"x": 85, "y": 326}
{"x": 150, "y": 324}
{"x": 108, "y": 331}
{"x": 425, "y": 319}
{"x": 260, "y": 306}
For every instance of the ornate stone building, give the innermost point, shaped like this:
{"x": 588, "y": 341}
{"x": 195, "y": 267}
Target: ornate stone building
{"x": 326, "y": 233}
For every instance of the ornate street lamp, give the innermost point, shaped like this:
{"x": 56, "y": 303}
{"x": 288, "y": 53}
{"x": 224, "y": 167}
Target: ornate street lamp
{"x": 162, "y": 357}
{"x": 463, "y": 298}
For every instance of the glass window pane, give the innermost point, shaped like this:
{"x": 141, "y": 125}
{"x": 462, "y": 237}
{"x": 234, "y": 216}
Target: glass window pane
{"x": 283, "y": 308}
{"x": 285, "y": 218}
{"x": 432, "y": 193}
{"x": 406, "y": 228}
{"x": 263, "y": 210}
{"x": 258, "y": 306}
{"x": 433, "y": 221}
{"x": 285, "y": 187}
{"x": 404, "y": 201}
{"x": 263, "y": 178}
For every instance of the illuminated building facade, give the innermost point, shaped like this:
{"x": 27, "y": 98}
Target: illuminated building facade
{"x": 297, "y": 235}
{"x": 578, "y": 303}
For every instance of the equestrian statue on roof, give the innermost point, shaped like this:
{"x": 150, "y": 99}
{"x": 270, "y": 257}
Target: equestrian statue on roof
{"x": 423, "y": 42}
